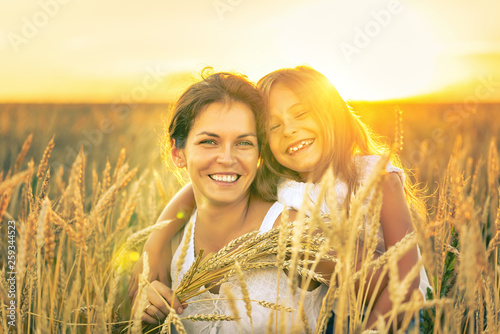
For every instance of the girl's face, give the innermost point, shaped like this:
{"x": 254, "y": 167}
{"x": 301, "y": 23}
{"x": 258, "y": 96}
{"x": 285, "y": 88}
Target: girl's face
{"x": 294, "y": 135}
{"x": 221, "y": 153}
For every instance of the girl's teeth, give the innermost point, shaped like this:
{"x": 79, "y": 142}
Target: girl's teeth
{"x": 299, "y": 147}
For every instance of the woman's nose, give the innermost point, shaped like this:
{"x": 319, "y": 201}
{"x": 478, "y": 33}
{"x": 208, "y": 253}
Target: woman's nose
{"x": 226, "y": 156}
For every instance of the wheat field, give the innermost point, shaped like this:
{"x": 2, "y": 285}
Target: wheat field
{"x": 82, "y": 185}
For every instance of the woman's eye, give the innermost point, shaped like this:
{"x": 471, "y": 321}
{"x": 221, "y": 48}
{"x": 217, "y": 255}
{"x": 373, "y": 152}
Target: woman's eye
{"x": 208, "y": 141}
{"x": 246, "y": 143}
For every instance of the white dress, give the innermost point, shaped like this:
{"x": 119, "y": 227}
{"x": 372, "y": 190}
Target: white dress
{"x": 262, "y": 284}
{"x": 291, "y": 193}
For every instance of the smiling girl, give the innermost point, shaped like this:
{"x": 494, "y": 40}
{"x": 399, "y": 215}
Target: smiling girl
{"x": 310, "y": 129}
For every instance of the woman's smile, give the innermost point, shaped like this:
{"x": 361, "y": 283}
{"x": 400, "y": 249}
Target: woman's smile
{"x": 225, "y": 178}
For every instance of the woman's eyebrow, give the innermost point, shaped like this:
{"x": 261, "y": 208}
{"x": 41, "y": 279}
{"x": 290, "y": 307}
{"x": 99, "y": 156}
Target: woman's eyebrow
{"x": 247, "y": 135}
{"x": 210, "y": 134}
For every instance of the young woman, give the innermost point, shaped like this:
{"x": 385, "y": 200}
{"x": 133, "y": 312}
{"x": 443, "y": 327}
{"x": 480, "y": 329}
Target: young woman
{"x": 216, "y": 134}
{"x": 310, "y": 129}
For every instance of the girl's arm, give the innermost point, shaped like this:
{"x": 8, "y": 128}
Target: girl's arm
{"x": 396, "y": 222}
{"x": 178, "y": 210}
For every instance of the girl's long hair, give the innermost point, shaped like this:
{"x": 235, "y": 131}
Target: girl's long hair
{"x": 345, "y": 135}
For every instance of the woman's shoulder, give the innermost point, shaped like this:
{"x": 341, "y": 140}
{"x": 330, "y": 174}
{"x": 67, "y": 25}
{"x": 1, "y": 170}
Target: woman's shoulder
{"x": 266, "y": 213}
{"x": 259, "y": 207}
{"x": 259, "y": 204}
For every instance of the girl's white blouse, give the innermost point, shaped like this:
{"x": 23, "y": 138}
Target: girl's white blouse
{"x": 295, "y": 194}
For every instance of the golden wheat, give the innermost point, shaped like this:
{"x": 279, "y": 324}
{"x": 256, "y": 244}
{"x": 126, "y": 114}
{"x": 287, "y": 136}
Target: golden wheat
{"x": 24, "y": 150}
{"x": 56, "y": 217}
{"x": 42, "y": 167}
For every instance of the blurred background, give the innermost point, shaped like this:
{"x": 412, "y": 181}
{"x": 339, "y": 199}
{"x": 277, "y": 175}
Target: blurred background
{"x": 101, "y": 74}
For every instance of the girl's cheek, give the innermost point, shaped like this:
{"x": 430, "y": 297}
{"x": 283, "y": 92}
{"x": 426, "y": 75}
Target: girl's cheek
{"x": 273, "y": 149}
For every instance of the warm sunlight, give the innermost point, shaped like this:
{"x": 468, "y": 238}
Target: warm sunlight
{"x": 389, "y": 54}
{"x": 401, "y": 64}
{"x": 148, "y": 184}
{"x": 384, "y": 49}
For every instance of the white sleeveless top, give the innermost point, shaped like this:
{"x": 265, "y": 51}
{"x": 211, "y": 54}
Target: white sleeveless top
{"x": 262, "y": 284}
{"x": 291, "y": 193}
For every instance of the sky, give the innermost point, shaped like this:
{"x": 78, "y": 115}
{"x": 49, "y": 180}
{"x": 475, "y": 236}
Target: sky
{"x": 121, "y": 51}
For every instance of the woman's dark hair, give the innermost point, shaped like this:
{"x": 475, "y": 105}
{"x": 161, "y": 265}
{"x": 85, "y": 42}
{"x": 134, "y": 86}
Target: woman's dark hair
{"x": 222, "y": 88}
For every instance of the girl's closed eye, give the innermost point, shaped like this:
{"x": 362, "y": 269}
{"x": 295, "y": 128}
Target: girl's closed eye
{"x": 301, "y": 114}
{"x": 274, "y": 127}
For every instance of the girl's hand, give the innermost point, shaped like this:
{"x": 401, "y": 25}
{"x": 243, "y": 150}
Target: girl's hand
{"x": 158, "y": 296}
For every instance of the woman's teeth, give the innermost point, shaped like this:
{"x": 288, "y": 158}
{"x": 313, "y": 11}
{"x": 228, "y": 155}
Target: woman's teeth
{"x": 300, "y": 146}
{"x": 224, "y": 178}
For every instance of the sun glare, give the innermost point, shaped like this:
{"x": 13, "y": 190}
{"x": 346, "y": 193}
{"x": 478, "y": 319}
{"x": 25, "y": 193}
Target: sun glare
{"x": 370, "y": 50}
{"x": 374, "y": 58}
{"x": 400, "y": 65}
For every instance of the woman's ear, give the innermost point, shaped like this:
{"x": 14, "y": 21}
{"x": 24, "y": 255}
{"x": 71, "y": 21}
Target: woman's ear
{"x": 177, "y": 155}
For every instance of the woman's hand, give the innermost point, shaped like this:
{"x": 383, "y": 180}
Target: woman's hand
{"x": 159, "y": 265}
{"x": 160, "y": 303}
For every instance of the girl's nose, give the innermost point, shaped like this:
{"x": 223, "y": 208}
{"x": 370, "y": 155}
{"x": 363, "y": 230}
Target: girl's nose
{"x": 289, "y": 127}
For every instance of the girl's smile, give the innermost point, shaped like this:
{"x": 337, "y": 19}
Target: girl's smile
{"x": 294, "y": 135}
{"x": 299, "y": 146}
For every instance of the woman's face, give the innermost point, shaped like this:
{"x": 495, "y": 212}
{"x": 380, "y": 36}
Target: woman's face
{"x": 294, "y": 135}
{"x": 221, "y": 153}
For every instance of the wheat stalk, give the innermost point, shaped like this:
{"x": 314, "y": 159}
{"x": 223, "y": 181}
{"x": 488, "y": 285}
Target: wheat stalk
{"x": 22, "y": 153}
{"x": 42, "y": 167}
{"x": 244, "y": 291}
{"x": 231, "y": 299}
